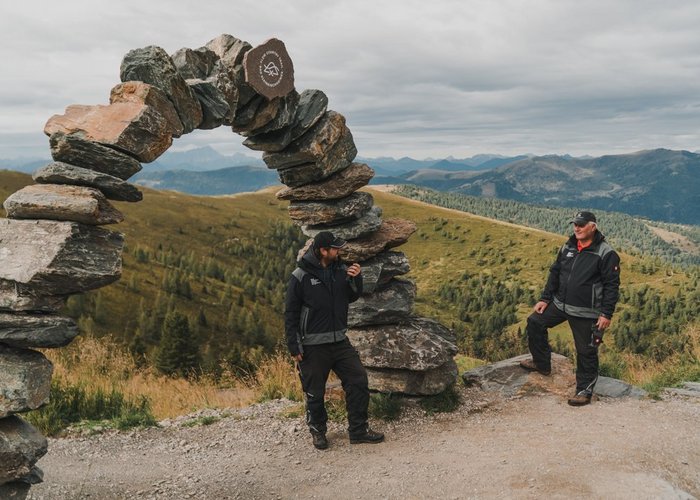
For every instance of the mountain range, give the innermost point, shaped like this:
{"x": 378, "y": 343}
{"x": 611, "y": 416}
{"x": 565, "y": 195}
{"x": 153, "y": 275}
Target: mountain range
{"x": 659, "y": 184}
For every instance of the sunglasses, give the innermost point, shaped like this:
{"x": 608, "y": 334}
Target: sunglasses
{"x": 580, "y": 224}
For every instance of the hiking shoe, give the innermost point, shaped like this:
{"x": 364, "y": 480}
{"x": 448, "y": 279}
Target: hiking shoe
{"x": 530, "y": 366}
{"x": 368, "y": 437}
{"x": 580, "y": 399}
{"x": 319, "y": 440}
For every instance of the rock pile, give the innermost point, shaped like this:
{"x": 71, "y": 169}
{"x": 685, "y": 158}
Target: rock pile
{"x": 53, "y": 246}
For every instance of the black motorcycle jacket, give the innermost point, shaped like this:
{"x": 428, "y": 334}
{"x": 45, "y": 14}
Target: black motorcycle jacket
{"x": 585, "y": 284}
{"x": 317, "y": 300}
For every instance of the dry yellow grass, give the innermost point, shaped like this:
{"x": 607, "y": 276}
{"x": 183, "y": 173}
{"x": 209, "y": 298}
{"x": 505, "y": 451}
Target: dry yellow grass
{"x": 101, "y": 364}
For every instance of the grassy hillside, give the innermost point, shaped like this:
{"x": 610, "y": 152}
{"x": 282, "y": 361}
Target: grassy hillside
{"x": 222, "y": 263}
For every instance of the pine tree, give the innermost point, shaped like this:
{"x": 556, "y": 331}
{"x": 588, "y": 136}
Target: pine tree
{"x": 178, "y": 353}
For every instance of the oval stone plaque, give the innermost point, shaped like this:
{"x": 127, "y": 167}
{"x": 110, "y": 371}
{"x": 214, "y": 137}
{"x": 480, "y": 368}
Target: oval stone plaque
{"x": 269, "y": 69}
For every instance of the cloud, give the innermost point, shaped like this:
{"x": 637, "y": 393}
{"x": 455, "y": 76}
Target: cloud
{"x": 413, "y": 78}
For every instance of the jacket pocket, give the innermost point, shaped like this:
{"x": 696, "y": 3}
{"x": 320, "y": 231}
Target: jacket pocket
{"x": 304, "y": 321}
{"x": 597, "y": 296}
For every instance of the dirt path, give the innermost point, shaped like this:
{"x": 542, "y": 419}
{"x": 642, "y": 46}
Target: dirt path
{"x": 535, "y": 447}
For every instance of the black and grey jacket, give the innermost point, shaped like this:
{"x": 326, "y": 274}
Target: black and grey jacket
{"x": 585, "y": 284}
{"x": 316, "y": 310}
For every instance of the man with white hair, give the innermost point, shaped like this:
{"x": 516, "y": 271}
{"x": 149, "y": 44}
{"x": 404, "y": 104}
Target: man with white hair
{"x": 583, "y": 287}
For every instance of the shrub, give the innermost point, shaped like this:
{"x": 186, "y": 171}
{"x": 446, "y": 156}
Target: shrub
{"x": 385, "y": 406}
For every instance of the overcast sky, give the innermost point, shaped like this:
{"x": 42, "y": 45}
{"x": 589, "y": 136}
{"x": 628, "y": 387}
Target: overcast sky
{"x": 413, "y": 78}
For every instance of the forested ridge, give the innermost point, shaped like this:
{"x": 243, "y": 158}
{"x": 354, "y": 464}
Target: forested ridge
{"x": 632, "y": 234}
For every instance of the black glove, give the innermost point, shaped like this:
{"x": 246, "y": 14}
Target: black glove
{"x": 596, "y": 336}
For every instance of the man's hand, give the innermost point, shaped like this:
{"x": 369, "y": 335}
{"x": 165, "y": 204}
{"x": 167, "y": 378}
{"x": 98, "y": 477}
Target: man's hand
{"x": 354, "y": 270}
{"x": 541, "y": 306}
{"x": 602, "y": 323}
{"x": 297, "y": 357}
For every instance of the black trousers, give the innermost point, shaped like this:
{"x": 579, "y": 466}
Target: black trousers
{"x": 314, "y": 368}
{"x": 586, "y": 356}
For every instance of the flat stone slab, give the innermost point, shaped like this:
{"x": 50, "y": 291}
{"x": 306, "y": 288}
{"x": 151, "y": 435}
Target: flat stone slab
{"x": 382, "y": 268}
{"x": 412, "y": 383}
{"x": 420, "y": 344}
{"x": 25, "y": 380}
{"x": 21, "y": 446}
{"x": 392, "y": 233}
{"x": 509, "y": 379}
{"x": 74, "y": 149}
{"x": 367, "y": 224}
{"x": 112, "y": 187}
{"x": 614, "y": 388}
{"x": 339, "y": 185}
{"x": 330, "y": 212}
{"x": 269, "y": 69}
{"x": 62, "y": 202}
{"x": 392, "y": 303}
{"x": 72, "y": 258}
{"x": 36, "y": 330}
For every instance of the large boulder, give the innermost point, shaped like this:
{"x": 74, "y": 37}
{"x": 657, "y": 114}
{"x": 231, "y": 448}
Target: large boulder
{"x": 64, "y": 173}
{"x": 413, "y": 383}
{"x": 614, "y": 388}
{"x": 36, "y": 330}
{"x": 380, "y": 269}
{"x": 391, "y": 303}
{"x": 74, "y": 149}
{"x": 419, "y": 344}
{"x": 392, "y": 233}
{"x": 149, "y": 95}
{"x": 339, "y": 185}
{"x": 62, "y": 202}
{"x": 21, "y": 445}
{"x": 311, "y": 106}
{"x": 330, "y": 212}
{"x": 154, "y": 66}
{"x": 25, "y": 380}
{"x": 72, "y": 258}
{"x": 366, "y": 224}
{"x": 507, "y": 377}
{"x": 133, "y": 127}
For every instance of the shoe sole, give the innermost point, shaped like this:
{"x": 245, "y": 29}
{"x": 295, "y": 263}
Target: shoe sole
{"x": 364, "y": 441}
{"x": 578, "y": 403}
{"x": 535, "y": 370}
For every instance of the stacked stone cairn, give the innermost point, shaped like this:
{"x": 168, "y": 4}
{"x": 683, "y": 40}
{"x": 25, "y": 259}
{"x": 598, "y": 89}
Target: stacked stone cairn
{"x": 52, "y": 243}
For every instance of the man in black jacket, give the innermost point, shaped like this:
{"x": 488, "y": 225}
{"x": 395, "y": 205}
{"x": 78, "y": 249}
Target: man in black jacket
{"x": 583, "y": 288}
{"x": 316, "y": 320}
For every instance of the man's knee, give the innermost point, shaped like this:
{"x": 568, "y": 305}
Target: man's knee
{"x": 534, "y": 325}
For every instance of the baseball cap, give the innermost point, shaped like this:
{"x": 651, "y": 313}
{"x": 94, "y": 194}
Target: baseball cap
{"x": 326, "y": 239}
{"x": 583, "y": 218}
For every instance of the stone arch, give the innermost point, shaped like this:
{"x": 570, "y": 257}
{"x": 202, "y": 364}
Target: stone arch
{"x": 97, "y": 148}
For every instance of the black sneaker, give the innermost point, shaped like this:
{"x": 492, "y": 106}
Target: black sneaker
{"x": 319, "y": 440}
{"x": 368, "y": 437}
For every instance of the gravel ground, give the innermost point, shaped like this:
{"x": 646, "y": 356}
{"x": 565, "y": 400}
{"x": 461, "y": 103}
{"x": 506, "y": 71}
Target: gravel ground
{"x": 531, "y": 447}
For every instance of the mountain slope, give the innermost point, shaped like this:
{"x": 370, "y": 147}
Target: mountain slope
{"x": 659, "y": 184}
{"x": 211, "y": 182}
